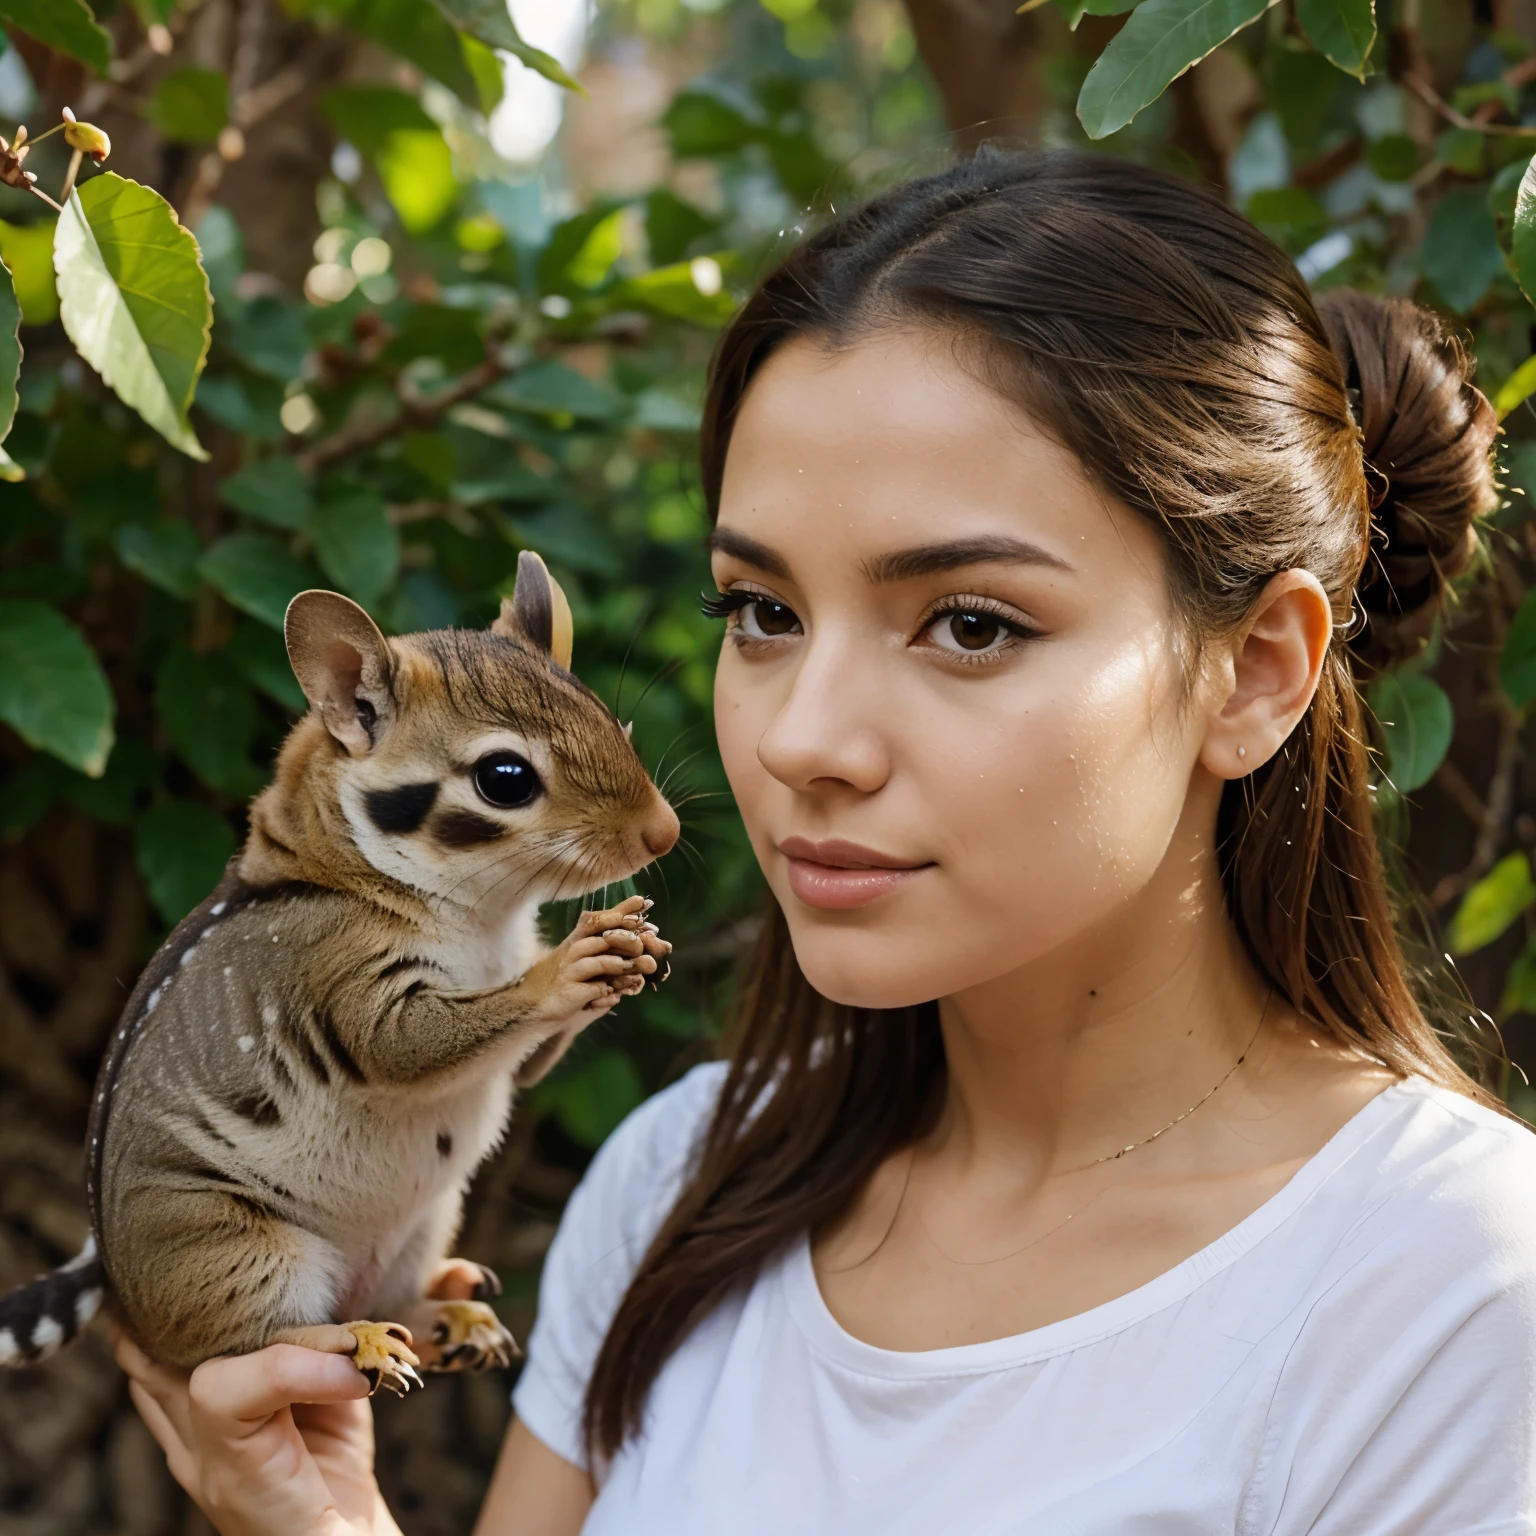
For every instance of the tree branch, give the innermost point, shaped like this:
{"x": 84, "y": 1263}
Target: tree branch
{"x": 416, "y": 413}
{"x": 1442, "y": 108}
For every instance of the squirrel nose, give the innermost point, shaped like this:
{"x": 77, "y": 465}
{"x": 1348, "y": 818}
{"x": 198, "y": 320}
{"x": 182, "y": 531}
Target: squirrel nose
{"x": 661, "y": 829}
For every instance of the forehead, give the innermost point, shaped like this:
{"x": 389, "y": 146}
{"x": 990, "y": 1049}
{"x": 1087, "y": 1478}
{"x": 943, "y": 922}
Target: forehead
{"x": 895, "y": 441}
{"x": 478, "y": 679}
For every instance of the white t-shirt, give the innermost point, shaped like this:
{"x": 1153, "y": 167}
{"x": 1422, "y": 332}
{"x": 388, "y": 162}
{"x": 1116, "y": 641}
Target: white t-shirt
{"x": 1357, "y": 1358}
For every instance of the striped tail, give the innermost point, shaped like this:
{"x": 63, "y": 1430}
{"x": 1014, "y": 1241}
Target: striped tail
{"x": 45, "y": 1314}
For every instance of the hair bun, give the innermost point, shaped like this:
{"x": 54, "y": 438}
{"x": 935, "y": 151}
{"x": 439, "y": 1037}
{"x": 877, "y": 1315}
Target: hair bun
{"x": 1428, "y": 435}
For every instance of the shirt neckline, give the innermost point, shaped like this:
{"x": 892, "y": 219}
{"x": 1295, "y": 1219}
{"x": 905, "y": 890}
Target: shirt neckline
{"x": 808, "y": 1308}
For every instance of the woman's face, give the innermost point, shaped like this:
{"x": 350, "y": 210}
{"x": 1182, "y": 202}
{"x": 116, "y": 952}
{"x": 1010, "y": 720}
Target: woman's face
{"x": 951, "y": 701}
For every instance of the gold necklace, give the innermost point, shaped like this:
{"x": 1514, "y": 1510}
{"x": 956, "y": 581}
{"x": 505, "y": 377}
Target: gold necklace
{"x": 1179, "y": 1119}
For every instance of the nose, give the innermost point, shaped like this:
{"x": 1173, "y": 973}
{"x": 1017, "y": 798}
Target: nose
{"x": 819, "y": 733}
{"x": 660, "y": 829}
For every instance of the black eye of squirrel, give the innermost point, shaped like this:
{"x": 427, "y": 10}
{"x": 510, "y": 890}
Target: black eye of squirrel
{"x": 507, "y": 780}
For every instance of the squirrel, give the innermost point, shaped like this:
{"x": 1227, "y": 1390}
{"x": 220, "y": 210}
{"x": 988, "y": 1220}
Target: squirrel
{"x": 317, "y": 1059}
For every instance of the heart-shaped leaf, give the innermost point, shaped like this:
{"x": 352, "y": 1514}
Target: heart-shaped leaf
{"x": 53, "y": 692}
{"x": 134, "y": 299}
{"x": 66, "y": 26}
{"x": 489, "y": 22}
{"x": 1491, "y": 905}
{"x": 1523, "y": 241}
{"x": 182, "y": 849}
{"x": 10, "y": 351}
{"x": 257, "y": 574}
{"x": 1160, "y": 41}
{"x": 1342, "y": 30}
{"x": 1417, "y": 722}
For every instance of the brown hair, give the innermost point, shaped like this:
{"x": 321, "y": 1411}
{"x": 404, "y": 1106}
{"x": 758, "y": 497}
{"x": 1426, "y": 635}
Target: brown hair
{"x": 1178, "y": 353}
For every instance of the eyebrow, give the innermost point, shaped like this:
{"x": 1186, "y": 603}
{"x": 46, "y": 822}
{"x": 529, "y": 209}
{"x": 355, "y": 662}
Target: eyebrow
{"x": 901, "y": 564}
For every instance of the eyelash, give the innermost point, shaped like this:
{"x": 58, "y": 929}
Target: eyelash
{"x": 721, "y": 605}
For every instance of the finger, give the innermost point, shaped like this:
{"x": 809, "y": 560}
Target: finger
{"x": 655, "y": 945}
{"x": 166, "y": 1387}
{"x": 235, "y": 1395}
{"x": 602, "y": 965}
{"x": 167, "y": 1436}
{"x": 602, "y": 1001}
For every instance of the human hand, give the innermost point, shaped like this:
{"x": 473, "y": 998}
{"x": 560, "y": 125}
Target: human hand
{"x": 276, "y": 1443}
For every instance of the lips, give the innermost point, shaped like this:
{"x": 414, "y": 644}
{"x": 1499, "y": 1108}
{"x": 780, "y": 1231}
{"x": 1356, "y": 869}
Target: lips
{"x": 837, "y": 875}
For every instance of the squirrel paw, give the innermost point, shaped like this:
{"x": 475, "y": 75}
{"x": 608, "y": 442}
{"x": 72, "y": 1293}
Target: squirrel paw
{"x": 384, "y": 1355}
{"x": 468, "y": 1336}
{"x": 616, "y": 952}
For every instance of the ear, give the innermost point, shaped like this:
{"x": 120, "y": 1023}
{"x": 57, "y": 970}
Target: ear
{"x": 342, "y": 664}
{"x": 1269, "y": 675}
{"x": 537, "y": 610}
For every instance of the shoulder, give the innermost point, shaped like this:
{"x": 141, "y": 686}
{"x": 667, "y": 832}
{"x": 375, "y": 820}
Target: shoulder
{"x": 1427, "y": 1222}
{"x": 639, "y": 1171}
{"x": 607, "y": 1227}
{"x": 1447, "y": 1167}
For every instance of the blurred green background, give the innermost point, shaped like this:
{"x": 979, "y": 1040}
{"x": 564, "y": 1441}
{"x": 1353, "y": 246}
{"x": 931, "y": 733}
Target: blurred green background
{"x": 461, "y": 311}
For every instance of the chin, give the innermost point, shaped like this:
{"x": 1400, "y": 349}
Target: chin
{"x": 868, "y": 970}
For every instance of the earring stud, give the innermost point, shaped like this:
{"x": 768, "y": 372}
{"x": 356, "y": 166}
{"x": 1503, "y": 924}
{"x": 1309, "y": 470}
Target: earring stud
{"x": 1242, "y": 751}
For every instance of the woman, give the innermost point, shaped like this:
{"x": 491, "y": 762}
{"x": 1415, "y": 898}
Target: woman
{"x": 1085, "y": 1162}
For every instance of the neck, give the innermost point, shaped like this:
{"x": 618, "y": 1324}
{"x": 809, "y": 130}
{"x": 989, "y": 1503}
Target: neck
{"x": 1101, "y": 1044}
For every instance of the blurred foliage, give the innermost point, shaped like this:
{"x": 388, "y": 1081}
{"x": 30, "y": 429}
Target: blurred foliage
{"x": 424, "y": 357}
{"x": 480, "y": 360}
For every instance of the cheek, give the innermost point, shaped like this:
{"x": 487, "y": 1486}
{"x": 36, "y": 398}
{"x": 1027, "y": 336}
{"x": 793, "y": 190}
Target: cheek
{"x": 1046, "y": 810}
{"x": 739, "y": 726}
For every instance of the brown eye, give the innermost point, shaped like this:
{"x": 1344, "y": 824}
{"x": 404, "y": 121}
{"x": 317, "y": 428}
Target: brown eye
{"x": 975, "y": 631}
{"x": 764, "y": 619}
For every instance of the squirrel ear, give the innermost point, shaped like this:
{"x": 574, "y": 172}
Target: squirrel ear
{"x": 537, "y": 611}
{"x": 342, "y": 664}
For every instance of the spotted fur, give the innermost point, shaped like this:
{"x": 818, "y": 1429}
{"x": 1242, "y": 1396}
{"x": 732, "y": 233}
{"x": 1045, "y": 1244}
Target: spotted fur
{"x": 311, "y": 1068}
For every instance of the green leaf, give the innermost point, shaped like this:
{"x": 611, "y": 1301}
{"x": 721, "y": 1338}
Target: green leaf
{"x": 672, "y": 225}
{"x": 359, "y": 548}
{"x": 132, "y": 769}
{"x": 676, "y": 291}
{"x": 190, "y": 106}
{"x": 134, "y": 299}
{"x": 421, "y": 35}
{"x": 367, "y": 115}
{"x": 182, "y": 848}
{"x": 1516, "y": 388}
{"x": 1394, "y": 157}
{"x": 592, "y": 1099}
{"x": 1417, "y": 722}
{"x": 1342, "y": 30}
{"x": 66, "y": 26}
{"x": 1520, "y": 983}
{"x": 274, "y": 491}
{"x": 164, "y": 554}
{"x": 702, "y": 123}
{"x": 1492, "y": 904}
{"x": 489, "y": 22}
{"x": 27, "y": 250}
{"x": 1523, "y": 242}
{"x": 209, "y": 714}
{"x": 1460, "y": 254}
{"x": 53, "y": 692}
{"x": 594, "y": 259}
{"x": 10, "y": 353}
{"x": 1160, "y": 41}
{"x": 257, "y": 574}
{"x": 262, "y": 658}
{"x": 550, "y": 388}
{"x": 1302, "y": 88}
{"x": 416, "y": 168}
{"x": 1463, "y": 149}
{"x": 1517, "y": 661}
